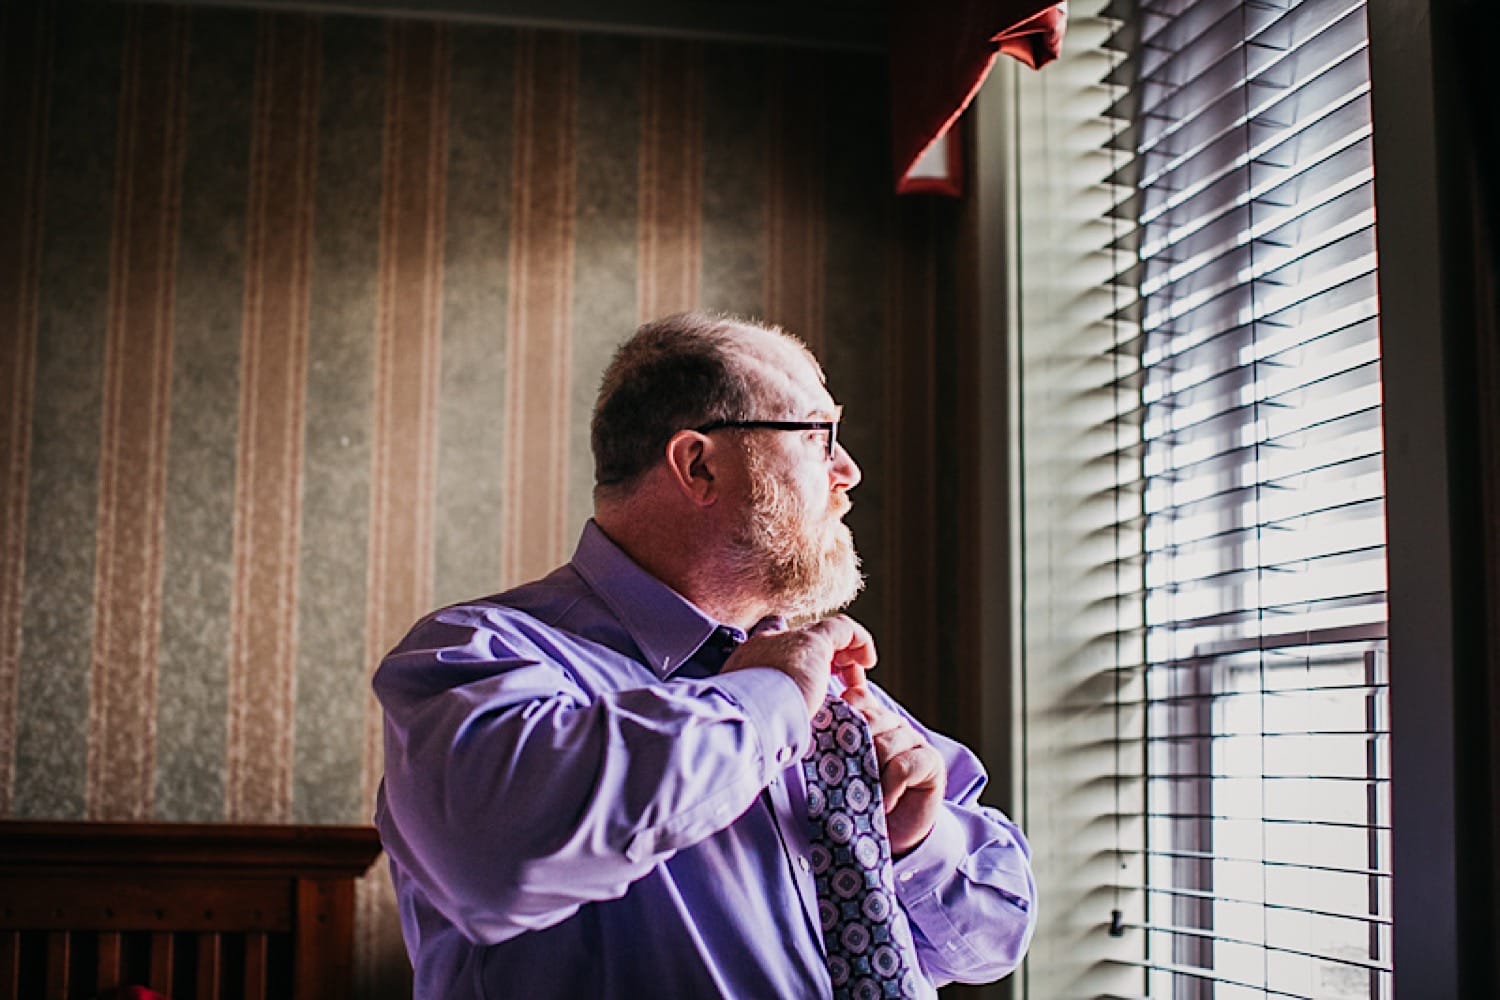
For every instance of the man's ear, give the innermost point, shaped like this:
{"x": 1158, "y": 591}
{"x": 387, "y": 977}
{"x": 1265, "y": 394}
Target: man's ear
{"x": 691, "y": 461}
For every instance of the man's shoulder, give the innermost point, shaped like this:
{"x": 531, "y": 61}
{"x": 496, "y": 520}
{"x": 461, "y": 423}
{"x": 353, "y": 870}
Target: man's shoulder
{"x": 485, "y": 614}
{"x": 536, "y": 609}
{"x": 465, "y": 642}
{"x": 544, "y": 600}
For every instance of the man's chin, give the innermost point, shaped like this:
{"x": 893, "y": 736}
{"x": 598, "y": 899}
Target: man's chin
{"x": 823, "y": 577}
{"x": 841, "y": 581}
{"x": 844, "y": 600}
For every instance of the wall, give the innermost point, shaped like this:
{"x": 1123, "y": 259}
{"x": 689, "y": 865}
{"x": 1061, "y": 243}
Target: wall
{"x": 302, "y": 319}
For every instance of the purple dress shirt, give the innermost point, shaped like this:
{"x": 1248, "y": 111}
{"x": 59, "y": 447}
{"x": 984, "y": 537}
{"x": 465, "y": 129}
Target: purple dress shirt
{"x": 569, "y": 812}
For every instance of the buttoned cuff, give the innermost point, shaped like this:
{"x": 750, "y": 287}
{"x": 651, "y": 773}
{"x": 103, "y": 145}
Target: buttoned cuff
{"x": 932, "y": 862}
{"x": 776, "y": 710}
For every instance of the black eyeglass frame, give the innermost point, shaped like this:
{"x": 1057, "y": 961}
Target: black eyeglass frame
{"x": 831, "y": 426}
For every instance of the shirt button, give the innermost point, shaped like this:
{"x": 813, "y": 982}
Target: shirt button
{"x": 906, "y": 876}
{"x": 784, "y": 756}
{"x": 803, "y": 863}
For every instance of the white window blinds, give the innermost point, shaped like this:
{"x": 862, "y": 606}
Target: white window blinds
{"x": 1251, "y": 700}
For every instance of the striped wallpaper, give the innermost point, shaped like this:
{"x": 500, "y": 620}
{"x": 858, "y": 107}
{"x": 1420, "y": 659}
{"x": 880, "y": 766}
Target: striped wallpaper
{"x": 302, "y": 320}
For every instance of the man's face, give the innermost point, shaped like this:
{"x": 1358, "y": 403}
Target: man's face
{"x": 793, "y": 543}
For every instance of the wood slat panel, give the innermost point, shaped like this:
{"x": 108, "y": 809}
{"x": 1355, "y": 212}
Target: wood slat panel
{"x": 10, "y": 964}
{"x": 210, "y": 950}
{"x": 256, "y": 949}
{"x": 161, "y": 962}
{"x": 109, "y": 960}
{"x": 325, "y": 931}
{"x": 58, "y": 945}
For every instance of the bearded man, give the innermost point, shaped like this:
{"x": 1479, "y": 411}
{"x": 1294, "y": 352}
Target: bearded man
{"x": 595, "y": 783}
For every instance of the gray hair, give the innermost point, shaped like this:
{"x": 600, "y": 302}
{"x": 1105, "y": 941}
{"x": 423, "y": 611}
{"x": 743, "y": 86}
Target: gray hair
{"x": 674, "y": 373}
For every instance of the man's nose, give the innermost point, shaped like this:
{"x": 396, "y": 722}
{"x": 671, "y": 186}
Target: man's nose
{"x": 844, "y": 472}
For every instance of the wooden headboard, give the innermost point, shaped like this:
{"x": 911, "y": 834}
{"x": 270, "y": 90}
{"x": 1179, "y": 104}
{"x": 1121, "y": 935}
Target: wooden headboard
{"x": 193, "y": 911}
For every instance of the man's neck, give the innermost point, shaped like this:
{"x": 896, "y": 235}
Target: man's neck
{"x": 690, "y": 565}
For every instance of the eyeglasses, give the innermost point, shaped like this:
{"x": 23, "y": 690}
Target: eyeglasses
{"x": 831, "y": 426}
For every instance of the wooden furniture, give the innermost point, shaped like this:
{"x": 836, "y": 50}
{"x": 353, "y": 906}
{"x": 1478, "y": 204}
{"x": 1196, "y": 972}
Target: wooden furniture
{"x": 196, "y": 912}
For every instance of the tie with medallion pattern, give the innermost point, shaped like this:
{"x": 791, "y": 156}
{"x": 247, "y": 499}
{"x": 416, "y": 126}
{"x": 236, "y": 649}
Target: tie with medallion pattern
{"x": 851, "y": 859}
{"x": 851, "y": 851}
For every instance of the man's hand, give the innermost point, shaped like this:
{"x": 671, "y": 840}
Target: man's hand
{"x": 809, "y": 654}
{"x": 912, "y": 774}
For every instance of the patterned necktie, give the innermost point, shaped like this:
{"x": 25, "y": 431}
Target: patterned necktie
{"x": 851, "y": 859}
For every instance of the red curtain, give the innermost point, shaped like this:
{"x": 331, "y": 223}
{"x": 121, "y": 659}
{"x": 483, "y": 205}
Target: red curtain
{"x": 940, "y": 54}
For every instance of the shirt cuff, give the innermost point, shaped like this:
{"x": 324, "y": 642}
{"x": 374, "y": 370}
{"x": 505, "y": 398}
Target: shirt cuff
{"x": 932, "y": 862}
{"x": 777, "y": 712}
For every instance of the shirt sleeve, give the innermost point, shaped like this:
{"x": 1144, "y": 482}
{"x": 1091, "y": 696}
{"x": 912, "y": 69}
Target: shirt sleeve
{"x": 967, "y": 889}
{"x": 512, "y": 796}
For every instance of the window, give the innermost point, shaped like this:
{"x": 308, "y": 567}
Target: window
{"x": 1203, "y": 549}
{"x": 1251, "y": 491}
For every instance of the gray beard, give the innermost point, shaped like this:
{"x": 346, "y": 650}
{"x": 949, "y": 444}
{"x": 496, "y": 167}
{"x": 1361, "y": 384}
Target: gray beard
{"x": 801, "y": 576}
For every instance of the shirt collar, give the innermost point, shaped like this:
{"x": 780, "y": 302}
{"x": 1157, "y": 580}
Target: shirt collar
{"x": 667, "y": 627}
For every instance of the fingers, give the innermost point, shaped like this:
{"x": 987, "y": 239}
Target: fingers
{"x": 799, "y": 654}
{"x": 810, "y": 654}
{"x": 913, "y": 767}
{"x": 912, "y": 784}
{"x": 906, "y": 759}
{"x": 912, "y": 773}
{"x": 853, "y": 648}
{"x": 863, "y": 701}
{"x": 894, "y": 739}
{"x": 769, "y": 626}
{"x": 890, "y": 733}
{"x": 853, "y": 676}
{"x": 852, "y": 643}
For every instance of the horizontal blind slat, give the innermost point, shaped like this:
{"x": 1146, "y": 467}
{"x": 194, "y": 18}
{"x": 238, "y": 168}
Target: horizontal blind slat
{"x": 1232, "y": 84}
{"x": 1369, "y": 508}
{"x": 1203, "y": 363}
{"x": 1268, "y": 393}
{"x": 1212, "y": 697}
{"x": 1211, "y": 935}
{"x": 1166, "y": 216}
{"x": 1372, "y": 601}
{"x": 1215, "y": 136}
{"x": 1207, "y": 975}
{"x": 1320, "y": 445}
{"x": 1267, "y": 861}
{"x": 1313, "y": 480}
{"x": 1367, "y": 735}
{"x": 1377, "y": 919}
